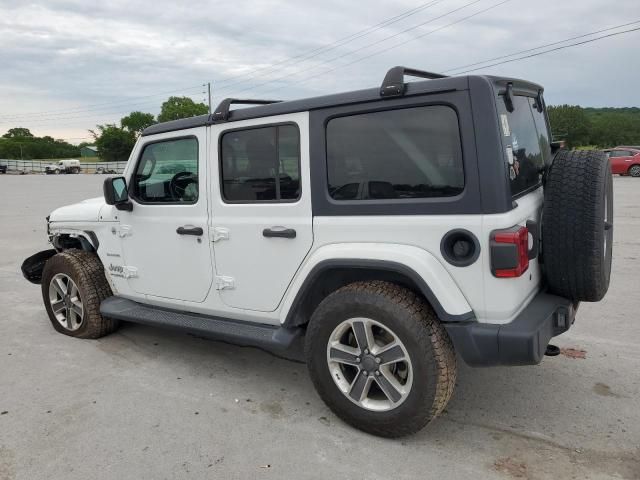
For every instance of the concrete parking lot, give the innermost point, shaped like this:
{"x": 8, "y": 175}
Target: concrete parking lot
{"x": 150, "y": 404}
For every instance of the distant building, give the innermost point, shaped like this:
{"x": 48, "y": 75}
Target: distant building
{"x": 89, "y": 151}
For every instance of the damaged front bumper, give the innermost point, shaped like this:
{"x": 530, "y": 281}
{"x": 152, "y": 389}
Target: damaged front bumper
{"x": 32, "y": 267}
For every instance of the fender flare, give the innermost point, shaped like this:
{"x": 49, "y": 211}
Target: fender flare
{"x": 445, "y": 312}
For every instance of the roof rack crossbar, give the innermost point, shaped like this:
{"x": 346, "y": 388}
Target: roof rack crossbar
{"x": 393, "y": 84}
{"x": 221, "y": 113}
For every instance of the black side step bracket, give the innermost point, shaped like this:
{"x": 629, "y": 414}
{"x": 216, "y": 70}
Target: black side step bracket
{"x": 269, "y": 337}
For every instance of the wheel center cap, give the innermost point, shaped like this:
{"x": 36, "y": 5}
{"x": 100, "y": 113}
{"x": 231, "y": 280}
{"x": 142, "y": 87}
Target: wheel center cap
{"x": 67, "y": 301}
{"x": 369, "y": 363}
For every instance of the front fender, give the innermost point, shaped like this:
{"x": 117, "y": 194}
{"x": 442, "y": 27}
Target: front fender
{"x": 423, "y": 268}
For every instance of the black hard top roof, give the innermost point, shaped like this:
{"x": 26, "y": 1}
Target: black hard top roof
{"x": 436, "y": 84}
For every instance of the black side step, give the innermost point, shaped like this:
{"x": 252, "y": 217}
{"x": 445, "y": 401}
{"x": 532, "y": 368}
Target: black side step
{"x": 269, "y": 337}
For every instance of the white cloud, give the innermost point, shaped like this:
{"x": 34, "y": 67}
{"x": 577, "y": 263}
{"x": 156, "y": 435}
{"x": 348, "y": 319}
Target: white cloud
{"x": 94, "y": 62}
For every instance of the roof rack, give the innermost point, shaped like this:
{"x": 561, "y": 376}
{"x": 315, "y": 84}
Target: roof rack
{"x": 221, "y": 112}
{"x": 393, "y": 84}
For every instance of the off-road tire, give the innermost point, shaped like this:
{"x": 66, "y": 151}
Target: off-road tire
{"x": 577, "y": 232}
{"x": 428, "y": 345}
{"x": 634, "y": 171}
{"x": 87, "y": 272}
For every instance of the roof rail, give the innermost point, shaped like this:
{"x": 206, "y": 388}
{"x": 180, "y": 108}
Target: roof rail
{"x": 221, "y": 112}
{"x": 393, "y": 84}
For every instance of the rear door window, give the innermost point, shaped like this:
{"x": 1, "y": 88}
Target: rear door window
{"x": 396, "y": 154}
{"x": 261, "y": 164}
{"x": 527, "y": 143}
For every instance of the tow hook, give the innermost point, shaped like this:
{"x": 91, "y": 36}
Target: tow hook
{"x": 552, "y": 351}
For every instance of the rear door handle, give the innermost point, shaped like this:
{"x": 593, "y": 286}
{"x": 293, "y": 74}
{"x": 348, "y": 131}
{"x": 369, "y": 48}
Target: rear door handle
{"x": 197, "y": 231}
{"x": 279, "y": 232}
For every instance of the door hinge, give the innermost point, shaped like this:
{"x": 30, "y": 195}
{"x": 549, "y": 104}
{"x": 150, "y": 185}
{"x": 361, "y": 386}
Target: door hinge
{"x": 223, "y": 282}
{"x": 219, "y": 233}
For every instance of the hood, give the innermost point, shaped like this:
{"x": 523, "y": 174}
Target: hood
{"x": 85, "y": 211}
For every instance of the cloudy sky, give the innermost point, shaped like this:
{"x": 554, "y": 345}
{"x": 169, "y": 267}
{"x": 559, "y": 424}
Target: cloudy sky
{"x": 67, "y": 65}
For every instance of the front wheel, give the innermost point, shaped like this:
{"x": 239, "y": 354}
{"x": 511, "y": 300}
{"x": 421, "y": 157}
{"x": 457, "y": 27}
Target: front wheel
{"x": 380, "y": 359}
{"x": 73, "y": 286}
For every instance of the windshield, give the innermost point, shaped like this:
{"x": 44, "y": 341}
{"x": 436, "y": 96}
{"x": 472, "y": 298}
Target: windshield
{"x": 526, "y": 141}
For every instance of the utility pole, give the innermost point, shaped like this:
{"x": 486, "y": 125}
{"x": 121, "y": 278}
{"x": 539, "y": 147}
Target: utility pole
{"x": 209, "y": 92}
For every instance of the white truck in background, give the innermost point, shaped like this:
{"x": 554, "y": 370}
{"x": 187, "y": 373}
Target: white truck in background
{"x": 63, "y": 166}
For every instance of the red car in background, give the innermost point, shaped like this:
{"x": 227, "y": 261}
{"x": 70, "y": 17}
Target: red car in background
{"x": 624, "y": 160}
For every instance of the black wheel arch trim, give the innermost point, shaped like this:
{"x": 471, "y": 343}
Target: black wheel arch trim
{"x": 379, "y": 265}
{"x": 33, "y": 266}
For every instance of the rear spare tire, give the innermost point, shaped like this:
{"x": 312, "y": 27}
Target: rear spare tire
{"x": 577, "y": 225}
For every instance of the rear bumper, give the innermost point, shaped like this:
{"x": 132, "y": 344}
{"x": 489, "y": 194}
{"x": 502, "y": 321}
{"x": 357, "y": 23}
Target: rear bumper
{"x": 521, "y": 342}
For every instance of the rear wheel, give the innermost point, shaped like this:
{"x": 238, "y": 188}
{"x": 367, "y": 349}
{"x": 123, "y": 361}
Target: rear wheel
{"x": 73, "y": 286}
{"x": 634, "y": 171}
{"x": 380, "y": 359}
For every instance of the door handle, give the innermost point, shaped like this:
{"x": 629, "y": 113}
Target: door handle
{"x": 279, "y": 232}
{"x": 197, "y": 231}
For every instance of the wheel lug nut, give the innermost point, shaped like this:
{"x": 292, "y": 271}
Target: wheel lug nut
{"x": 378, "y": 360}
{"x": 366, "y": 351}
{"x": 358, "y": 359}
{"x": 378, "y": 373}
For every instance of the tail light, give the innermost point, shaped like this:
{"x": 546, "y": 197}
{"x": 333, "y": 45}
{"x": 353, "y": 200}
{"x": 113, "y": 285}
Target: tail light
{"x": 510, "y": 252}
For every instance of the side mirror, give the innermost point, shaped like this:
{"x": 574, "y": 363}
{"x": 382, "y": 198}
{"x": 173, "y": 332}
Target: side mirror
{"x": 115, "y": 193}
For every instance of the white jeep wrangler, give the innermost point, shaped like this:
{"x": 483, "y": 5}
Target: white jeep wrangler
{"x": 391, "y": 228}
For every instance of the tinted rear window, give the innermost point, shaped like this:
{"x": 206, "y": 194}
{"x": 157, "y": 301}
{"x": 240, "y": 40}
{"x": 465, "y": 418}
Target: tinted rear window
{"x": 396, "y": 154}
{"x": 527, "y": 143}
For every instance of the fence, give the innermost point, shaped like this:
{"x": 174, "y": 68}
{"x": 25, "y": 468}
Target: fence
{"x": 38, "y": 166}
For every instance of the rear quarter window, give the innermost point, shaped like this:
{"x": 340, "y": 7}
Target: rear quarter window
{"x": 526, "y": 140}
{"x": 395, "y": 154}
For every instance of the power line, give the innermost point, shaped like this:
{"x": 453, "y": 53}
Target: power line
{"x": 504, "y": 56}
{"x": 331, "y": 46}
{"x": 86, "y": 108}
{"x": 549, "y": 50}
{"x": 385, "y": 39}
{"x": 303, "y": 56}
{"x": 542, "y": 46}
{"x": 460, "y": 20}
{"x": 113, "y": 110}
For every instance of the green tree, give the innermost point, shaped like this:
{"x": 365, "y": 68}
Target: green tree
{"x": 180, "y": 107}
{"x": 615, "y": 126}
{"x": 570, "y": 123}
{"x": 136, "y": 122}
{"x": 18, "y": 132}
{"x": 20, "y": 143}
{"x": 114, "y": 143}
